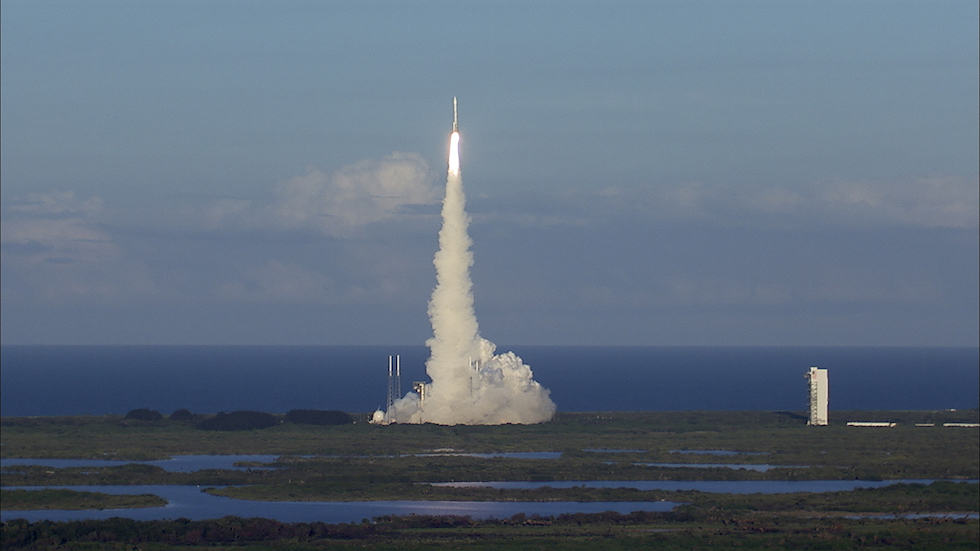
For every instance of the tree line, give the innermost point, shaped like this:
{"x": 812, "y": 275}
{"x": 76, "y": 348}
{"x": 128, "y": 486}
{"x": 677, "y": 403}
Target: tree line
{"x": 21, "y": 534}
{"x": 244, "y": 419}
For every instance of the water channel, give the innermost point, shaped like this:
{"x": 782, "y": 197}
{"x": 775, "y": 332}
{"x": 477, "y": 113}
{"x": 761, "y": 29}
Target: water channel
{"x": 192, "y": 503}
{"x": 710, "y": 486}
{"x": 747, "y": 466}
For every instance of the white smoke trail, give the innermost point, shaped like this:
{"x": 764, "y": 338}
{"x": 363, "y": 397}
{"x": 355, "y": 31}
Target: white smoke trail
{"x": 470, "y": 383}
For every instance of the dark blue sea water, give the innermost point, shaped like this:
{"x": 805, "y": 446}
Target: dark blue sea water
{"x": 68, "y": 380}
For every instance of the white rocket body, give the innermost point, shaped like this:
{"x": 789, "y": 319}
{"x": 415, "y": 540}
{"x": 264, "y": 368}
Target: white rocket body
{"x": 455, "y": 116}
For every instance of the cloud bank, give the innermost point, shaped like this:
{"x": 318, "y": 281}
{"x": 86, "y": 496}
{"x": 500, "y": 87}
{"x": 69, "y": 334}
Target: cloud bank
{"x": 55, "y": 248}
{"x": 357, "y": 195}
{"x": 934, "y": 202}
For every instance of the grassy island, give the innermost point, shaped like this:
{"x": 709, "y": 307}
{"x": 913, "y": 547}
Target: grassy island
{"x": 25, "y": 500}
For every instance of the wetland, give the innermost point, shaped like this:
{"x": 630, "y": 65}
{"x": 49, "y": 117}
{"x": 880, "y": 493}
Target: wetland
{"x": 601, "y": 458}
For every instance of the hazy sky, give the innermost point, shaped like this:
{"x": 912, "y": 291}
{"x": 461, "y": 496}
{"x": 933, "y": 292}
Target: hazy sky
{"x": 229, "y": 172}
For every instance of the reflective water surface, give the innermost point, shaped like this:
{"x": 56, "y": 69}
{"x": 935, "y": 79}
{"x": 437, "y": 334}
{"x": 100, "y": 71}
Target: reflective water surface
{"x": 718, "y": 452}
{"x": 712, "y": 486}
{"x": 747, "y": 466}
{"x": 512, "y": 455}
{"x": 192, "y": 503}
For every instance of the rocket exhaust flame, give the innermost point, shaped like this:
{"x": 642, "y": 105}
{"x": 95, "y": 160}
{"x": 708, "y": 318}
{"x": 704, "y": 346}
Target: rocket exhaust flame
{"x": 454, "y": 143}
{"x": 454, "y": 155}
{"x": 470, "y": 383}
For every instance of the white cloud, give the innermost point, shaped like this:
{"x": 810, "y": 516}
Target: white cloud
{"x": 54, "y": 248}
{"x": 57, "y": 240}
{"x": 56, "y": 227}
{"x": 57, "y": 203}
{"x": 357, "y": 195}
{"x": 926, "y": 202}
{"x": 337, "y": 203}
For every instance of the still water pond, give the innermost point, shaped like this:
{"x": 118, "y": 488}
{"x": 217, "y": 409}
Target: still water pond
{"x": 192, "y": 463}
{"x": 510, "y": 455}
{"x": 747, "y": 466}
{"x": 190, "y": 502}
{"x": 711, "y": 486}
{"x": 717, "y": 452}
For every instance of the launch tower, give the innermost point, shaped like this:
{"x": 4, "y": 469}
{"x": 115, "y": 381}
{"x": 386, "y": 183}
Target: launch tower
{"x": 818, "y": 396}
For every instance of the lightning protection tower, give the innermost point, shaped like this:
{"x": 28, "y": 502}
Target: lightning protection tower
{"x": 818, "y": 396}
{"x": 394, "y": 380}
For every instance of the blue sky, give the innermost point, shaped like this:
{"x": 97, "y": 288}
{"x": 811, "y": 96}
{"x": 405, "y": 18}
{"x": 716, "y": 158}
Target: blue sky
{"x": 758, "y": 173}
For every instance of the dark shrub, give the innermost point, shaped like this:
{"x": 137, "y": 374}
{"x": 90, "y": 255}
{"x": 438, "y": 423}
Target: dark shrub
{"x": 144, "y": 414}
{"x": 182, "y": 415}
{"x": 239, "y": 420}
{"x": 318, "y": 417}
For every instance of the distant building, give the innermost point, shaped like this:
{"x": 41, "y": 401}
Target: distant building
{"x": 818, "y": 396}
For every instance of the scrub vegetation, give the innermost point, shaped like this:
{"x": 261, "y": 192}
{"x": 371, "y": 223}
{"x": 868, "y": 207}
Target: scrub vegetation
{"x": 682, "y": 530}
{"x": 26, "y": 500}
{"x": 359, "y": 461}
{"x": 778, "y": 435}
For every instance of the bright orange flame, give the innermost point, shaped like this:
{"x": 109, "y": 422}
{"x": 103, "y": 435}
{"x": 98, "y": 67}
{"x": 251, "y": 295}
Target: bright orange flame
{"x": 454, "y": 154}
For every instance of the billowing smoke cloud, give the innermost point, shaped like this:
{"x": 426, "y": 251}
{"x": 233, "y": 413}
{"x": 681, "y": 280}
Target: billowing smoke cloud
{"x": 471, "y": 384}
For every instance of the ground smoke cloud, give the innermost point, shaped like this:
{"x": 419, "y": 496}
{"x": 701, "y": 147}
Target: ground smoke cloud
{"x": 471, "y": 384}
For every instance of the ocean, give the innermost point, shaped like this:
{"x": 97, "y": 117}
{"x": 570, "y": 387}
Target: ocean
{"x": 75, "y": 380}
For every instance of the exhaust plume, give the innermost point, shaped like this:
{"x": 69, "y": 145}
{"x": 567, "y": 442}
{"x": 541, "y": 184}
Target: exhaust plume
{"x": 471, "y": 384}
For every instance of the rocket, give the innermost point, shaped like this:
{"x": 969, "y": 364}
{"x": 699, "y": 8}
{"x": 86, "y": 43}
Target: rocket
{"x": 455, "y": 116}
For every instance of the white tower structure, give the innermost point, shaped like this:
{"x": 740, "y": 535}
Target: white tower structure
{"x": 391, "y": 390}
{"x": 398, "y": 376}
{"x": 818, "y": 396}
{"x": 394, "y": 381}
